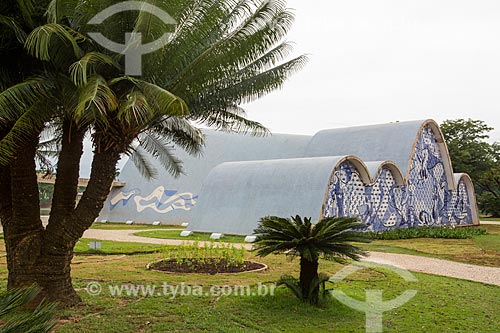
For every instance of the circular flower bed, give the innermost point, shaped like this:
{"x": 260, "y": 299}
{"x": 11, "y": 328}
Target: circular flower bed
{"x": 206, "y": 266}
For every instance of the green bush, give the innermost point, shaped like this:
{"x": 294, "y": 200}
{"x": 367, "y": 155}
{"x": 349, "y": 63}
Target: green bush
{"x": 429, "y": 232}
{"x": 185, "y": 253}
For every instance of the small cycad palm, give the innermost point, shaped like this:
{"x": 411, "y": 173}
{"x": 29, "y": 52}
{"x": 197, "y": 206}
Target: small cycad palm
{"x": 330, "y": 238}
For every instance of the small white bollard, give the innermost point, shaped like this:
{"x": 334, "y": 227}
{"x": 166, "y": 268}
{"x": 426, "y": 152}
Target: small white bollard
{"x": 95, "y": 245}
{"x": 186, "y": 233}
{"x": 216, "y": 236}
{"x": 129, "y": 222}
{"x": 185, "y": 224}
{"x": 156, "y": 222}
{"x": 250, "y": 239}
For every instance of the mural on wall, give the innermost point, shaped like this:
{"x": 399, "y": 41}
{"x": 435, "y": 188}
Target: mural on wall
{"x": 425, "y": 200}
{"x": 459, "y": 208}
{"x": 160, "y": 200}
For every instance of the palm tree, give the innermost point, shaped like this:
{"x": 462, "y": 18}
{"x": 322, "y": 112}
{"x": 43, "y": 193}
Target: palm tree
{"x": 329, "y": 238}
{"x": 221, "y": 54}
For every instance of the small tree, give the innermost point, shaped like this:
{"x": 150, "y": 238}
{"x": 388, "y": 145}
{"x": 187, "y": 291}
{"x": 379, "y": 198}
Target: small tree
{"x": 471, "y": 153}
{"x": 329, "y": 238}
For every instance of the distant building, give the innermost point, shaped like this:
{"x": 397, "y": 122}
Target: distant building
{"x": 391, "y": 175}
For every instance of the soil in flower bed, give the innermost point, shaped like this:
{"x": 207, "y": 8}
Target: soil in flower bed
{"x": 207, "y": 266}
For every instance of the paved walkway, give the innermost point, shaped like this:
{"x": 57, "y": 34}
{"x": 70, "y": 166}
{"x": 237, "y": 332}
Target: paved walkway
{"x": 490, "y": 222}
{"x": 489, "y": 275}
{"x": 128, "y": 236}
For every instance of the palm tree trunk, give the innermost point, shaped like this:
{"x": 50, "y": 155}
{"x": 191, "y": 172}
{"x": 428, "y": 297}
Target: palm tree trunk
{"x": 57, "y": 248}
{"x": 43, "y": 256}
{"x": 5, "y": 200}
{"x": 101, "y": 179}
{"x": 23, "y": 234}
{"x": 68, "y": 172}
{"x": 308, "y": 279}
{"x": 35, "y": 255}
{"x": 67, "y": 223}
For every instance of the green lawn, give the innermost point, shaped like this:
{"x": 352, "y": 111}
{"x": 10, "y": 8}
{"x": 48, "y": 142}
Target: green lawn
{"x": 441, "y": 304}
{"x": 110, "y": 248}
{"x": 494, "y": 219}
{"x": 480, "y": 250}
{"x": 123, "y": 226}
{"x": 198, "y": 236}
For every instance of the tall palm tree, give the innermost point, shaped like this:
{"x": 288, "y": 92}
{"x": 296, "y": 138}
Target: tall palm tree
{"x": 329, "y": 239}
{"x": 220, "y": 54}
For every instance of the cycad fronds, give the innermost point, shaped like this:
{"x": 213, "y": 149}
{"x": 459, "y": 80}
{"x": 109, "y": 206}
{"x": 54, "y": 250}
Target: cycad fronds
{"x": 330, "y": 237}
{"x": 15, "y": 27}
{"x": 14, "y": 320}
{"x": 39, "y": 42}
{"x": 161, "y": 149}
{"x": 141, "y": 161}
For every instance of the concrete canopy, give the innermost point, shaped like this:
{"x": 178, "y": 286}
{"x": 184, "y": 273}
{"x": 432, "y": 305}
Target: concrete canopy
{"x": 385, "y": 142}
{"x": 235, "y": 194}
{"x": 390, "y": 176}
{"x": 164, "y": 198}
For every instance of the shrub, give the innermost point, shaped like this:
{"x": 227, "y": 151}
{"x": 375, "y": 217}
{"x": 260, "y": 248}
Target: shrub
{"x": 329, "y": 238}
{"x": 187, "y": 252}
{"x": 429, "y": 232}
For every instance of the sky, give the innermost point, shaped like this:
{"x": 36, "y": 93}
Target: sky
{"x": 378, "y": 61}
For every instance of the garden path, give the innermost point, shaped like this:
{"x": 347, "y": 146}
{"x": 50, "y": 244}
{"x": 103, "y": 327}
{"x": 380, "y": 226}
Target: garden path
{"x": 488, "y": 275}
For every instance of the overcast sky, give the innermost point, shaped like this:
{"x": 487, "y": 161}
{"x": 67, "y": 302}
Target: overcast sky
{"x": 377, "y": 61}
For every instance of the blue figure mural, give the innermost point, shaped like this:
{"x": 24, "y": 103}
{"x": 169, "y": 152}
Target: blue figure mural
{"x": 424, "y": 200}
{"x": 394, "y": 175}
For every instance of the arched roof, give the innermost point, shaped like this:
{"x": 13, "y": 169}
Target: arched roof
{"x": 220, "y": 147}
{"x": 471, "y": 192}
{"x": 236, "y": 195}
{"x": 375, "y": 167}
{"x": 394, "y": 141}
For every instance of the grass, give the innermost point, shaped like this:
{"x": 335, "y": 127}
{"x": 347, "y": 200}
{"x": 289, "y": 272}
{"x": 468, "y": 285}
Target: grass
{"x": 123, "y": 226}
{"x": 175, "y": 234}
{"x": 479, "y": 250}
{"x": 494, "y": 219}
{"x": 114, "y": 248}
{"x": 441, "y": 304}
{"x": 429, "y": 232}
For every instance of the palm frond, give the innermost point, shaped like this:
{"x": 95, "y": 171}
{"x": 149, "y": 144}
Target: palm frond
{"x": 165, "y": 102}
{"x": 228, "y": 120}
{"x": 27, "y": 10}
{"x": 87, "y": 66}
{"x": 15, "y": 100}
{"x": 29, "y": 124}
{"x": 292, "y": 284}
{"x": 40, "y": 41}
{"x": 141, "y": 162}
{"x": 330, "y": 237}
{"x": 58, "y": 10}
{"x": 16, "y": 28}
{"x": 162, "y": 101}
{"x": 40, "y": 320}
{"x": 182, "y": 133}
{"x": 135, "y": 110}
{"x": 161, "y": 149}
{"x": 96, "y": 100}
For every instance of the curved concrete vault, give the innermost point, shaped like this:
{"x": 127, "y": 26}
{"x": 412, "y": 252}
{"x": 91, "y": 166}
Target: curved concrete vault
{"x": 392, "y": 175}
